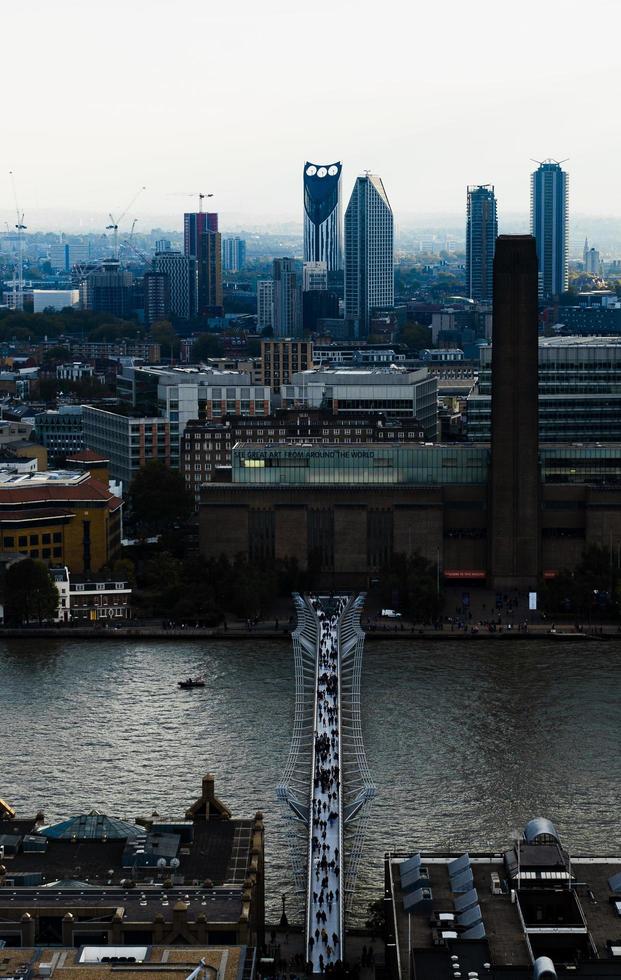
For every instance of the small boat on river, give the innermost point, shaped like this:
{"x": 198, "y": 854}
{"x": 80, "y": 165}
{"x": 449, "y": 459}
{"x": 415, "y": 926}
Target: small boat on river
{"x": 191, "y": 682}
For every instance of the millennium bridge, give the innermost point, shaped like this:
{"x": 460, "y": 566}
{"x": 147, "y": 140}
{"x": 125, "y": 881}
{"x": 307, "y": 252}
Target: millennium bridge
{"x": 326, "y": 782}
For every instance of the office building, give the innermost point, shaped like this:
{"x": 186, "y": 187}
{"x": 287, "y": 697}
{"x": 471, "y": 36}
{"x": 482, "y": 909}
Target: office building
{"x": 287, "y": 298}
{"x": 179, "y": 395}
{"x": 549, "y": 191}
{"x": 314, "y": 276}
{"x": 323, "y": 214}
{"x": 163, "y": 245}
{"x": 579, "y": 391}
{"x": 282, "y": 358}
{"x": 60, "y": 517}
{"x": 129, "y": 442}
{"x": 207, "y": 446}
{"x": 202, "y": 242}
{"x": 181, "y": 272}
{"x": 60, "y": 432}
{"x": 369, "y": 254}
{"x": 481, "y": 235}
{"x": 265, "y": 304}
{"x": 514, "y": 475}
{"x": 394, "y": 392}
{"x": 233, "y": 254}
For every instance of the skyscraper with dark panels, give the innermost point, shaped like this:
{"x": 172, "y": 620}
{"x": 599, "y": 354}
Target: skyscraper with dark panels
{"x": 322, "y": 214}
{"x": 202, "y": 241}
{"x": 369, "y": 253}
{"x": 287, "y": 298}
{"x": 549, "y": 186}
{"x": 481, "y": 234}
{"x": 514, "y": 509}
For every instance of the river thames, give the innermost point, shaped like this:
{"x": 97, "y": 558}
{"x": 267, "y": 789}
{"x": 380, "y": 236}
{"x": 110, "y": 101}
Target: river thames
{"x": 466, "y": 741}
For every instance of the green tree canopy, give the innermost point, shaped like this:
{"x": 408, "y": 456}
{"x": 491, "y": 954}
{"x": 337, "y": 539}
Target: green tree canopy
{"x": 412, "y": 582}
{"x": 162, "y": 332}
{"x": 158, "y": 498}
{"x": 207, "y": 345}
{"x": 30, "y": 593}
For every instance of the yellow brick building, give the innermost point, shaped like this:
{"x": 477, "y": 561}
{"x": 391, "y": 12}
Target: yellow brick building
{"x": 61, "y": 517}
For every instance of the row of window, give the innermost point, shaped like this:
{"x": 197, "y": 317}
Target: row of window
{"x": 23, "y": 541}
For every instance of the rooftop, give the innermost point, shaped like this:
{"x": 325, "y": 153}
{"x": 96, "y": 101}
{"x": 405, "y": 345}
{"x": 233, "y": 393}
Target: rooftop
{"x": 151, "y": 962}
{"x": 506, "y": 910}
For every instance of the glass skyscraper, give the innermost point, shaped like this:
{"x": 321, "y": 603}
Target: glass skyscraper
{"x": 481, "y": 235}
{"x": 369, "y": 253}
{"x": 548, "y": 220}
{"x": 322, "y": 214}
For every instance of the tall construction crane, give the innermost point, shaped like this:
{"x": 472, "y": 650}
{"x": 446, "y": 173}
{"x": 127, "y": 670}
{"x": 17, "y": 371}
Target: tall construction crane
{"x": 115, "y": 222}
{"x": 18, "y": 281}
{"x": 199, "y": 194}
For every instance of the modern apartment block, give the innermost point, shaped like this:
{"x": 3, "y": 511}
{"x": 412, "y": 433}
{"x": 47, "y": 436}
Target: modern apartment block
{"x": 233, "y": 254}
{"x": 127, "y": 441}
{"x": 369, "y": 253}
{"x": 314, "y": 276}
{"x": 287, "y": 299}
{"x": 481, "y": 234}
{"x": 282, "y": 358}
{"x": 203, "y": 243}
{"x": 549, "y": 202}
{"x": 265, "y": 303}
{"x": 181, "y": 273}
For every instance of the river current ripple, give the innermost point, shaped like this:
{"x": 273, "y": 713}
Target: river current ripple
{"x": 465, "y": 741}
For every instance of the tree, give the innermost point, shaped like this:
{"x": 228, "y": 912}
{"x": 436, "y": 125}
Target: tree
{"x": 412, "y": 582}
{"x": 163, "y": 333}
{"x": 158, "y": 498}
{"x": 207, "y": 345}
{"x": 30, "y": 592}
{"x": 124, "y": 570}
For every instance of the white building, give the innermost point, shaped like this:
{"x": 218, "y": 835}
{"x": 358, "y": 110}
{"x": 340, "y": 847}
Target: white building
{"x": 369, "y": 253}
{"x": 233, "y": 254}
{"x": 265, "y": 303}
{"x": 89, "y": 600}
{"x": 315, "y": 276}
{"x": 54, "y": 299}
{"x": 393, "y": 391}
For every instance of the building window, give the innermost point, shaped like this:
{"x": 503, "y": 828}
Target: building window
{"x": 23, "y": 541}
{"x": 34, "y": 539}
{"x": 9, "y": 542}
{"x": 46, "y": 538}
{"x": 57, "y": 537}
{"x": 58, "y": 552}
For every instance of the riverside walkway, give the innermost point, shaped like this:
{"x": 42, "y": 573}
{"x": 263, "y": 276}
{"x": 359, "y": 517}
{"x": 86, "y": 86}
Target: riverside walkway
{"x": 327, "y": 782}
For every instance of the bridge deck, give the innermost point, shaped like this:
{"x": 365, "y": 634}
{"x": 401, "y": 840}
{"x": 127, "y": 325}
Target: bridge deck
{"x": 324, "y": 898}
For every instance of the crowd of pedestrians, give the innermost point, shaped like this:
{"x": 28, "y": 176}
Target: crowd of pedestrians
{"x": 323, "y": 928}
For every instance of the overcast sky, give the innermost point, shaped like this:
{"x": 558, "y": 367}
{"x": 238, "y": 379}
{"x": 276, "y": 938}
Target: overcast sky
{"x": 233, "y": 96}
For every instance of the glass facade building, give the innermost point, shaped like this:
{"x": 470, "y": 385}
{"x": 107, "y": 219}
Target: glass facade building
{"x": 548, "y": 220}
{"x": 481, "y": 235}
{"x": 373, "y": 463}
{"x": 379, "y": 464}
{"x": 579, "y": 392}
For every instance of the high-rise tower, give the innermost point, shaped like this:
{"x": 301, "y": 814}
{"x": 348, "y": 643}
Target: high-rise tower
{"x": 322, "y": 214}
{"x": 514, "y": 478}
{"x": 369, "y": 253}
{"x": 202, "y": 241}
{"x": 287, "y": 298}
{"x": 481, "y": 234}
{"x": 548, "y": 223}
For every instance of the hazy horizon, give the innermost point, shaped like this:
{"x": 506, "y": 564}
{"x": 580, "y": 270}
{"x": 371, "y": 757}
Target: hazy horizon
{"x": 232, "y": 100}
